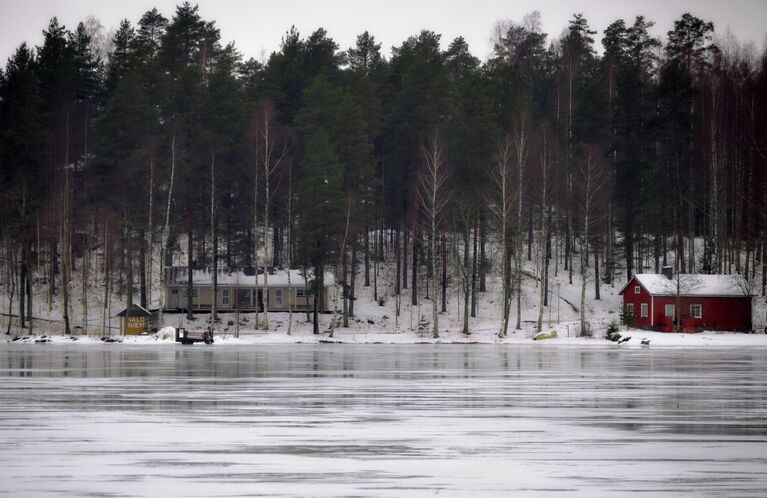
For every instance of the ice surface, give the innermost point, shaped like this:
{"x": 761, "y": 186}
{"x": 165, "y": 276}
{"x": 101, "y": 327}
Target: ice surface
{"x": 380, "y": 420}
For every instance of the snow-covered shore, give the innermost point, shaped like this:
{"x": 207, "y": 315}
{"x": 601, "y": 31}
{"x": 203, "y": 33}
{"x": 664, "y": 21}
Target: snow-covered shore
{"x": 165, "y": 338}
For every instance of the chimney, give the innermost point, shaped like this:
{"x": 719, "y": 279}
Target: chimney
{"x": 668, "y": 271}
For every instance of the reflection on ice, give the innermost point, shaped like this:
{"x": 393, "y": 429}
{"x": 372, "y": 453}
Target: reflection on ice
{"x": 379, "y": 420}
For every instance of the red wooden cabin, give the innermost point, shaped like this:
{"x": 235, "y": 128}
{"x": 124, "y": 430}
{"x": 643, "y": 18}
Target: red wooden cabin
{"x": 701, "y": 302}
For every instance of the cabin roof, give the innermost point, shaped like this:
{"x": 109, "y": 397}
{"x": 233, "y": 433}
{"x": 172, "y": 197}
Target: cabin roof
{"x": 691, "y": 284}
{"x": 279, "y": 278}
{"x": 134, "y": 310}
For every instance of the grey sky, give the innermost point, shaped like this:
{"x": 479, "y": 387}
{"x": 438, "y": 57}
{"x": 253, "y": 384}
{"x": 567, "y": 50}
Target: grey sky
{"x": 257, "y": 26}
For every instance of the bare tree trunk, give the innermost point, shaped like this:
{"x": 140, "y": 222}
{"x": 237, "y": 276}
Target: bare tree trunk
{"x": 432, "y": 201}
{"x": 12, "y": 276}
{"x": 189, "y": 274}
{"x": 291, "y": 294}
{"x": 86, "y": 265}
{"x": 592, "y": 185}
{"x": 106, "y": 279}
{"x": 148, "y": 235}
{"x": 405, "y": 240}
{"x": 520, "y": 147}
{"x": 343, "y": 252}
{"x": 166, "y": 228}
{"x": 465, "y": 275}
{"x": 318, "y": 278}
{"x": 353, "y": 277}
{"x": 22, "y": 287}
{"x": 142, "y": 268}
{"x": 474, "y": 270}
{"x": 414, "y": 282}
{"x": 503, "y": 206}
{"x": 255, "y": 240}
{"x": 444, "y": 272}
{"x": 66, "y": 243}
{"x": 482, "y": 255}
{"x": 367, "y": 256}
{"x": 596, "y": 273}
{"x": 30, "y": 318}
{"x": 52, "y": 256}
{"x": 398, "y": 266}
{"x": 214, "y": 238}
{"x": 544, "y": 229}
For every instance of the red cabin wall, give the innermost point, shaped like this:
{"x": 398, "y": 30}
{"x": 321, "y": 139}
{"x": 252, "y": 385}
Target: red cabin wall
{"x": 637, "y": 299}
{"x": 719, "y": 313}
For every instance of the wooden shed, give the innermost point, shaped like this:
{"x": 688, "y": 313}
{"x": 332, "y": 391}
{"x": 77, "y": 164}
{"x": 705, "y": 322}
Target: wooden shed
{"x": 134, "y": 320}
{"x": 692, "y": 302}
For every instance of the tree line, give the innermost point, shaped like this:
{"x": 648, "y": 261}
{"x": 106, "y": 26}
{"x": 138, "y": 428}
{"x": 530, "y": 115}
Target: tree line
{"x": 450, "y": 168}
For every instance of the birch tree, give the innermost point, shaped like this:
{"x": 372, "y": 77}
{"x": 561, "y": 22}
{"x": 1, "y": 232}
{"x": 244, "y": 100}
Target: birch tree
{"x": 543, "y": 235}
{"x": 433, "y": 198}
{"x": 502, "y": 209}
{"x": 592, "y": 186}
{"x": 520, "y": 139}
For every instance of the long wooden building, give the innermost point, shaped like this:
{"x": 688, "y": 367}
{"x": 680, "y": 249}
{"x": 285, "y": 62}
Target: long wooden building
{"x": 245, "y": 291}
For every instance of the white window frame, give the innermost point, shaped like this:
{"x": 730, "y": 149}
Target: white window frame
{"x": 300, "y": 292}
{"x": 699, "y": 308}
{"x": 225, "y": 297}
{"x": 637, "y": 289}
{"x": 643, "y": 310}
{"x": 278, "y": 296}
{"x": 666, "y": 309}
{"x": 630, "y": 309}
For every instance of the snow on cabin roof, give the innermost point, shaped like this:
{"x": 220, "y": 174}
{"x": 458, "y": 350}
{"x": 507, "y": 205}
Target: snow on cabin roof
{"x": 277, "y": 278}
{"x": 691, "y": 284}
{"x": 134, "y": 310}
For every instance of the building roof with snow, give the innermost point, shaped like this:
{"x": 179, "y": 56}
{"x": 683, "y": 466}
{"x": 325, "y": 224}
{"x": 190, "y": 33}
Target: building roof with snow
{"x": 134, "y": 310}
{"x": 691, "y": 284}
{"x": 278, "y": 277}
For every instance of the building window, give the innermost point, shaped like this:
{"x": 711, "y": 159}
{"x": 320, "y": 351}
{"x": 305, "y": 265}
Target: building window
{"x": 630, "y": 310}
{"x": 194, "y": 292}
{"x": 670, "y": 308}
{"x": 696, "y": 310}
{"x": 636, "y": 289}
{"x": 300, "y": 292}
{"x": 174, "y": 292}
{"x": 643, "y": 310}
{"x": 225, "y": 297}
{"x": 278, "y": 297}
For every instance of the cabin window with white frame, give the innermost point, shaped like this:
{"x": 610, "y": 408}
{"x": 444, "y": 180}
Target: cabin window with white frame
{"x": 174, "y": 292}
{"x": 696, "y": 310}
{"x": 300, "y": 292}
{"x": 278, "y": 296}
{"x": 630, "y": 309}
{"x": 643, "y": 310}
{"x": 637, "y": 289}
{"x": 225, "y": 297}
{"x": 670, "y": 310}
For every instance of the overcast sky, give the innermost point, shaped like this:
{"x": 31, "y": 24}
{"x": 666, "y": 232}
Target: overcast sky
{"x": 257, "y": 26}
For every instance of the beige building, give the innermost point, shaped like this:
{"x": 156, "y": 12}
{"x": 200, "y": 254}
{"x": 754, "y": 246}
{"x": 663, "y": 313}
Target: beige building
{"x": 238, "y": 291}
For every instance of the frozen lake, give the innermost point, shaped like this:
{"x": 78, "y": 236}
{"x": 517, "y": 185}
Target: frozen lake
{"x": 380, "y": 420}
